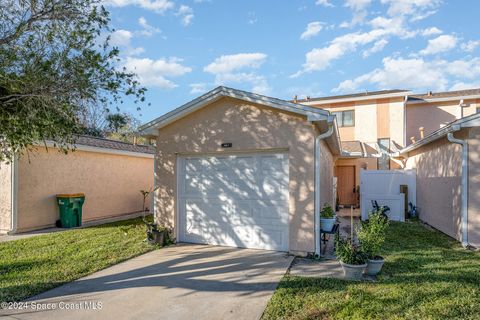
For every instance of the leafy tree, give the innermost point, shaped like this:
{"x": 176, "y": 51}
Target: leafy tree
{"x": 55, "y": 61}
{"x": 116, "y": 121}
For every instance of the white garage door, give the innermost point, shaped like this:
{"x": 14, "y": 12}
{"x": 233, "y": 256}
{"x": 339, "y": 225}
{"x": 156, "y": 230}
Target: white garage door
{"x": 234, "y": 200}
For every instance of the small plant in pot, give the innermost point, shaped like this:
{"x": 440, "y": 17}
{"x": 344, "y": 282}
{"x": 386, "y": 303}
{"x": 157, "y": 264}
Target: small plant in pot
{"x": 371, "y": 236}
{"x": 155, "y": 234}
{"x": 352, "y": 258}
{"x": 327, "y": 218}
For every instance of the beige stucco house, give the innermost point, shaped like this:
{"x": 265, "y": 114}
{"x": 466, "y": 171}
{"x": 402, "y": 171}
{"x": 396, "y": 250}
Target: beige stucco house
{"x": 240, "y": 169}
{"x": 109, "y": 173}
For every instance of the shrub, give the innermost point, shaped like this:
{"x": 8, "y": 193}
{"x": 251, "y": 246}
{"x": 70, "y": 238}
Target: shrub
{"x": 372, "y": 234}
{"x": 348, "y": 252}
{"x": 327, "y": 211}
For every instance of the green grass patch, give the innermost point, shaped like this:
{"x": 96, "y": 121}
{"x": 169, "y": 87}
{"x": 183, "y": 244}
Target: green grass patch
{"x": 33, "y": 265}
{"x": 427, "y": 275}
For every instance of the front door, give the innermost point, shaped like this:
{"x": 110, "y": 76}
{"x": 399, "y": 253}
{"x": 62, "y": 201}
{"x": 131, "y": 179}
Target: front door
{"x": 346, "y": 185}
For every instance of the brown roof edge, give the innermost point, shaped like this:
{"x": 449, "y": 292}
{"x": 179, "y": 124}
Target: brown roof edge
{"x": 98, "y": 142}
{"x": 354, "y": 95}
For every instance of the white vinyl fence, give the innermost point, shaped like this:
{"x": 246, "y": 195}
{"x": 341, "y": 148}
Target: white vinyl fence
{"x": 383, "y": 186}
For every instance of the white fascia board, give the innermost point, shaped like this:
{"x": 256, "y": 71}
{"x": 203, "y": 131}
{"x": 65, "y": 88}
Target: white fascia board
{"x": 360, "y": 98}
{"x": 151, "y": 128}
{"x": 81, "y": 147}
{"x": 429, "y": 100}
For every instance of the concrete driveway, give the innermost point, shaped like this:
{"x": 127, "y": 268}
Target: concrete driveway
{"x": 179, "y": 282}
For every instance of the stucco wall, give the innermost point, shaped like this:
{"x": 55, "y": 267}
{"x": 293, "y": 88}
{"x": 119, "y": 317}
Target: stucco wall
{"x": 474, "y": 187}
{"x": 249, "y": 127}
{"x": 111, "y": 184}
{"x": 374, "y": 119}
{"x": 396, "y": 121}
{"x": 439, "y": 168}
{"x": 326, "y": 176}
{"x": 5, "y": 196}
{"x": 433, "y": 116}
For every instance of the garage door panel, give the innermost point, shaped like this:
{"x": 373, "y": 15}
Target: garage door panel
{"x": 237, "y": 200}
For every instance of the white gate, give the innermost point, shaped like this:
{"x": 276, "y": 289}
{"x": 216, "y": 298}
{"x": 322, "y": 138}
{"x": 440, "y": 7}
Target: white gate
{"x": 383, "y": 186}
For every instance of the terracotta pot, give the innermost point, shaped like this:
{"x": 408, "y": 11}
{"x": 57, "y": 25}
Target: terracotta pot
{"x": 353, "y": 271}
{"x": 374, "y": 266}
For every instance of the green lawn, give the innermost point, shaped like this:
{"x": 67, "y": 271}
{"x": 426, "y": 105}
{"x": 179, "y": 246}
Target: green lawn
{"x": 30, "y": 266}
{"x": 427, "y": 275}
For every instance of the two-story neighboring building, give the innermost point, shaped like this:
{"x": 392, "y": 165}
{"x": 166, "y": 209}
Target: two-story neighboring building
{"x": 240, "y": 169}
{"x": 373, "y": 125}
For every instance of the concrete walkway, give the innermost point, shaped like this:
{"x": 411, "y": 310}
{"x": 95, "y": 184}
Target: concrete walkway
{"x": 179, "y": 282}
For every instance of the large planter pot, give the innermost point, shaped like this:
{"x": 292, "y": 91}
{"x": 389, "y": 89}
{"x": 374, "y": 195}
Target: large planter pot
{"x": 353, "y": 271}
{"x": 374, "y": 266}
{"x": 326, "y": 224}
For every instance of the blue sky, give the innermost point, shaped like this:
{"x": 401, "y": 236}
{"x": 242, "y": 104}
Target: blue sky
{"x": 181, "y": 49}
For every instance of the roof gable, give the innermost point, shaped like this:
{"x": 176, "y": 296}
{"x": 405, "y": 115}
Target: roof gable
{"x": 152, "y": 127}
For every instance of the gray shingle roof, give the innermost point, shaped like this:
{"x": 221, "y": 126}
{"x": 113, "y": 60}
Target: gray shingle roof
{"x": 354, "y": 95}
{"x": 112, "y": 144}
{"x": 446, "y": 94}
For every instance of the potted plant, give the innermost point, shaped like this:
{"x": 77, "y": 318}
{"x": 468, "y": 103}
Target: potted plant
{"x": 155, "y": 234}
{"x": 327, "y": 218}
{"x": 352, "y": 258}
{"x": 371, "y": 236}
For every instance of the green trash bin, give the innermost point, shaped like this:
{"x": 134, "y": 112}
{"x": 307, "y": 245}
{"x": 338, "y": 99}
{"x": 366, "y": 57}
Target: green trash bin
{"x": 70, "y": 206}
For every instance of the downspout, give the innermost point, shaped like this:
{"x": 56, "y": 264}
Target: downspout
{"x": 14, "y": 195}
{"x": 318, "y": 154}
{"x": 464, "y": 186}
{"x": 405, "y": 101}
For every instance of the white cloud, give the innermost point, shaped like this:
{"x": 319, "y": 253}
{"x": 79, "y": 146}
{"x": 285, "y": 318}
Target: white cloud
{"x": 186, "y": 15}
{"x": 148, "y": 30}
{"x": 431, "y": 31}
{"x": 230, "y": 69}
{"x": 122, "y": 39}
{"x": 233, "y": 62}
{"x": 471, "y": 45}
{"x": 377, "y": 46}
{"x": 313, "y": 28}
{"x": 464, "y": 86}
{"x": 153, "y": 73}
{"x": 321, "y": 58}
{"x": 416, "y": 74}
{"x": 158, "y": 6}
{"x": 464, "y": 69}
{"x": 325, "y": 3}
{"x": 440, "y": 44}
{"x": 196, "y": 88}
{"x": 414, "y": 8}
{"x": 400, "y": 73}
{"x": 359, "y": 12}
{"x": 258, "y": 82}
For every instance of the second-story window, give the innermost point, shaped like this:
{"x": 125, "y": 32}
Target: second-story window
{"x": 345, "y": 118}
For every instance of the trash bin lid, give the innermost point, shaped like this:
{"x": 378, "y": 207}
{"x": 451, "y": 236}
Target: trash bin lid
{"x": 71, "y": 195}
